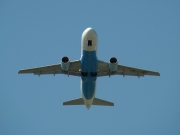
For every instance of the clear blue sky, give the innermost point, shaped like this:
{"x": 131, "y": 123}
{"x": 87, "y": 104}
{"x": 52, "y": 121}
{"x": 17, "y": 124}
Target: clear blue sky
{"x": 140, "y": 33}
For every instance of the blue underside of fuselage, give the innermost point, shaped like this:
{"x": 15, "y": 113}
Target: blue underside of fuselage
{"x": 89, "y": 65}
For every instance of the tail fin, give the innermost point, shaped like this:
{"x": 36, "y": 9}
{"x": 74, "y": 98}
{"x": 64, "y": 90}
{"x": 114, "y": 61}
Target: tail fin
{"x": 102, "y": 102}
{"x": 78, "y": 101}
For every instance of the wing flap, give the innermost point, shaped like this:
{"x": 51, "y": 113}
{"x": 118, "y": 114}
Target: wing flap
{"x": 43, "y": 69}
{"x": 135, "y": 71}
{"x": 103, "y": 70}
{"x": 55, "y": 69}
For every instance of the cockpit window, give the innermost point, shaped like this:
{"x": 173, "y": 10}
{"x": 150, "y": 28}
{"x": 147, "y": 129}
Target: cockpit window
{"x": 89, "y": 42}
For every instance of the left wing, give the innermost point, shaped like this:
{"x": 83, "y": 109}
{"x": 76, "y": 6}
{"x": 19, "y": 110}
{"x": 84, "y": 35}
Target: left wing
{"x": 103, "y": 70}
{"x": 74, "y": 69}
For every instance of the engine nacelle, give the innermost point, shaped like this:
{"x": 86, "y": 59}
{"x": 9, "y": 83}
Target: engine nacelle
{"x": 113, "y": 64}
{"x": 65, "y": 63}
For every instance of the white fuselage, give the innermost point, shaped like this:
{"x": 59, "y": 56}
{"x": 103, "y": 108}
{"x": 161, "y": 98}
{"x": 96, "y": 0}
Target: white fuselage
{"x": 89, "y": 65}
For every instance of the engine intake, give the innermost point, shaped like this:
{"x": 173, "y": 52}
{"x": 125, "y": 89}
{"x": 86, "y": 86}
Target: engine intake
{"x": 113, "y": 64}
{"x": 65, "y": 63}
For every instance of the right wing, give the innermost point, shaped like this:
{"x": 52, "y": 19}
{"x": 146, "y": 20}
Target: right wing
{"x": 74, "y": 69}
{"x": 103, "y": 68}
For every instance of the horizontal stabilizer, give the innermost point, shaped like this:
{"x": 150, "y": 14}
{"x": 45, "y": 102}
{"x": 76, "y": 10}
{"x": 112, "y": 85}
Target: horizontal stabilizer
{"x": 96, "y": 101}
{"x": 102, "y": 102}
{"x": 78, "y": 101}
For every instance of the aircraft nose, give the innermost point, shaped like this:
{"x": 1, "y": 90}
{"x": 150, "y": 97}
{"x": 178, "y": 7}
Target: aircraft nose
{"x": 89, "y": 40}
{"x": 90, "y": 32}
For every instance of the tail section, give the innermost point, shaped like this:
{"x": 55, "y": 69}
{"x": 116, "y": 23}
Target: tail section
{"x": 102, "y": 102}
{"x": 96, "y": 101}
{"x": 78, "y": 101}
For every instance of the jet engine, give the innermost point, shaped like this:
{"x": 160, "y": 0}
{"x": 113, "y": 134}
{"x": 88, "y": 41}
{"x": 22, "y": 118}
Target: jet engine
{"x": 113, "y": 64}
{"x": 65, "y": 63}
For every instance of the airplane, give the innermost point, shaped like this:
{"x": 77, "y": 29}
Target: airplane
{"x": 89, "y": 68}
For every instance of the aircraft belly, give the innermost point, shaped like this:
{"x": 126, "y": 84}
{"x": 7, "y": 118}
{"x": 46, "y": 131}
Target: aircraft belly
{"x": 88, "y": 65}
{"x": 88, "y": 89}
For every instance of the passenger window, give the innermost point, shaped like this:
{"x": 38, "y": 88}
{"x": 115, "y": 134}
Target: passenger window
{"x": 89, "y": 42}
